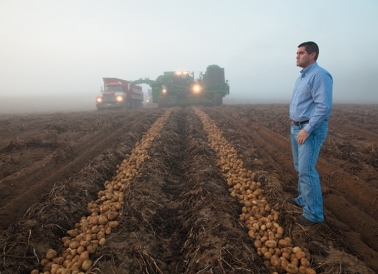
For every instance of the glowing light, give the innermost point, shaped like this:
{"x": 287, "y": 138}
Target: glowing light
{"x": 178, "y": 73}
{"x": 196, "y": 89}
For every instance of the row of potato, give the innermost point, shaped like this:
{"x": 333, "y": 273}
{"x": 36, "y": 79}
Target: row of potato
{"x": 91, "y": 231}
{"x": 278, "y": 252}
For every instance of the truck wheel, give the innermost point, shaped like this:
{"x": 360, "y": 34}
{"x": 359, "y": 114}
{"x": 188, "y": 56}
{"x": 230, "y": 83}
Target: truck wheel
{"x": 162, "y": 101}
{"x": 218, "y": 99}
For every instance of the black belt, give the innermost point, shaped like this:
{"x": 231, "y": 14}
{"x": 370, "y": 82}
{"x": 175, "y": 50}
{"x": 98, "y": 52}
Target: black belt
{"x": 299, "y": 123}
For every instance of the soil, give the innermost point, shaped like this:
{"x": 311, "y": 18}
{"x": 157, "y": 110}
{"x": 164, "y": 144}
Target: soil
{"x": 178, "y": 213}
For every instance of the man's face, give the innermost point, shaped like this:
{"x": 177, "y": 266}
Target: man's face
{"x": 303, "y": 58}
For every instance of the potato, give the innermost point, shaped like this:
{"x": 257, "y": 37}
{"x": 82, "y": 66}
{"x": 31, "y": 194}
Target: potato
{"x": 257, "y": 243}
{"x": 44, "y": 262}
{"x": 66, "y": 262}
{"x": 58, "y": 260}
{"x": 268, "y": 225}
{"x": 275, "y": 261}
{"x": 264, "y": 249}
{"x": 300, "y": 254}
{"x": 80, "y": 249}
{"x": 74, "y": 244}
{"x": 112, "y": 215}
{"x": 305, "y": 262}
{"x": 278, "y": 236}
{"x": 268, "y": 255}
{"x": 276, "y": 217}
{"x": 48, "y": 267}
{"x": 284, "y": 243}
{"x": 251, "y": 234}
{"x": 285, "y": 255}
{"x": 84, "y": 243}
{"x": 301, "y": 269}
{"x": 272, "y": 250}
{"x": 86, "y": 265}
{"x": 294, "y": 261}
{"x": 296, "y": 249}
{"x": 284, "y": 262}
{"x": 95, "y": 229}
{"x": 108, "y": 230}
{"x": 73, "y": 252}
{"x": 102, "y": 220}
{"x": 271, "y": 243}
{"x": 310, "y": 271}
{"x": 66, "y": 243}
{"x": 54, "y": 269}
{"x": 277, "y": 252}
{"x": 84, "y": 256}
{"x": 290, "y": 268}
{"x": 259, "y": 251}
{"x": 94, "y": 220}
{"x": 51, "y": 254}
{"x": 73, "y": 232}
{"x": 69, "y": 264}
{"x": 101, "y": 241}
{"x": 257, "y": 192}
{"x": 91, "y": 249}
{"x": 113, "y": 224}
{"x": 100, "y": 235}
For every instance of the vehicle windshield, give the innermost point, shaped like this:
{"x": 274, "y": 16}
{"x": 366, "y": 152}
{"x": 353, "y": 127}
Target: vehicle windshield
{"x": 181, "y": 80}
{"x": 113, "y": 88}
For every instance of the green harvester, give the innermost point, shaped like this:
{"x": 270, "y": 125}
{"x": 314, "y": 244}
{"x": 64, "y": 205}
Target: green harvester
{"x": 179, "y": 88}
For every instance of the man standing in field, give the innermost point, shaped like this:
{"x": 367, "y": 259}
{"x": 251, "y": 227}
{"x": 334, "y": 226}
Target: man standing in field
{"x": 310, "y": 109}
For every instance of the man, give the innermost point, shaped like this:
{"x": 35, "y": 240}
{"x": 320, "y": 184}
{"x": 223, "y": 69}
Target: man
{"x": 310, "y": 109}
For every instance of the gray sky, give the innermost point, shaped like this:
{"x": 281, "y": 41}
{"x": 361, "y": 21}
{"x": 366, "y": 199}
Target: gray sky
{"x": 64, "y": 48}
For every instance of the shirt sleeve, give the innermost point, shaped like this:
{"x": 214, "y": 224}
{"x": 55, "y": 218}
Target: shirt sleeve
{"x": 321, "y": 91}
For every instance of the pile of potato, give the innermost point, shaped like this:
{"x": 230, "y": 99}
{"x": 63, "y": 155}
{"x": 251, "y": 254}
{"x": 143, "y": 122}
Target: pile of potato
{"x": 91, "y": 231}
{"x": 278, "y": 251}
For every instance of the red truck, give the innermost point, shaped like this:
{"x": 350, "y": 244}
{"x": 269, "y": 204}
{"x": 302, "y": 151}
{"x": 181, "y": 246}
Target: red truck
{"x": 118, "y": 93}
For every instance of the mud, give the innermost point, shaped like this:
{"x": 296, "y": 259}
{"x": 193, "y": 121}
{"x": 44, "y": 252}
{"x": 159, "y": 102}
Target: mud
{"x": 178, "y": 215}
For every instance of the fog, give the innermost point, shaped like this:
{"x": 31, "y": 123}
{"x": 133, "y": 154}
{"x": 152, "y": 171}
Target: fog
{"x": 54, "y": 54}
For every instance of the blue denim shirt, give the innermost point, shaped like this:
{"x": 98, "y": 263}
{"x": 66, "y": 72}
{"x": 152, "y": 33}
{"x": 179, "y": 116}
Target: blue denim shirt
{"x": 312, "y": 97}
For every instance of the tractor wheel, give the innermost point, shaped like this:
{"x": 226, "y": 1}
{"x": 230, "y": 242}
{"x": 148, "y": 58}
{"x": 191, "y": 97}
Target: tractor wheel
{"x": 218, "y": 98}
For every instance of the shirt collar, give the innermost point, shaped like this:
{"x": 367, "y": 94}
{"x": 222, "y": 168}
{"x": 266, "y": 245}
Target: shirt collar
{"x": 309, "y": 68}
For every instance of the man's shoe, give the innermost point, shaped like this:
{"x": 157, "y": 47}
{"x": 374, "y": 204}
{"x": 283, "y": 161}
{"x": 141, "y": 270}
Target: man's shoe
{"x": 291, "y": 201}
{"x": 303, "y": 221}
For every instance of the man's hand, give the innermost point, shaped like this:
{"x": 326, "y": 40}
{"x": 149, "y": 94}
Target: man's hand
{"x": 302, "y": 136}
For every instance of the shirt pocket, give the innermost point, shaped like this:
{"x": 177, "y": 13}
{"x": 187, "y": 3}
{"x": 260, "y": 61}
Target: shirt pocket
{"x": 305, "y": 93}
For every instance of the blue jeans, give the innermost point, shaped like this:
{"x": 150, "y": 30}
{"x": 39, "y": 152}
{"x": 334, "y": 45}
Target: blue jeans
{"x": 305, "y": 157}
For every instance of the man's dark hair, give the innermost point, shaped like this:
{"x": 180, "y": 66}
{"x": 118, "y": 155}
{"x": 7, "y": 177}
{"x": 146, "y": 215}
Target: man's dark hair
{"x": 310, "y": 48}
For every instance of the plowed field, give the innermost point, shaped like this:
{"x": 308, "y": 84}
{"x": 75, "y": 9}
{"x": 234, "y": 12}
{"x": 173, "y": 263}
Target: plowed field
{"x": 183, "y": 190}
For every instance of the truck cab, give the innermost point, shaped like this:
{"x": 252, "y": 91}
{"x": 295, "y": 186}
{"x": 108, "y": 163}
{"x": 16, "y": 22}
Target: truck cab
{"x": 118, "y": 93}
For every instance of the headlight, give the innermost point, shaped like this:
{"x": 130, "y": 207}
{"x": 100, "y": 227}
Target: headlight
{"x": 164, "y": 91}
{"x": 99, "y": 99}
{"x": 119, "y": 98}
{"x": 196, "y": 89}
